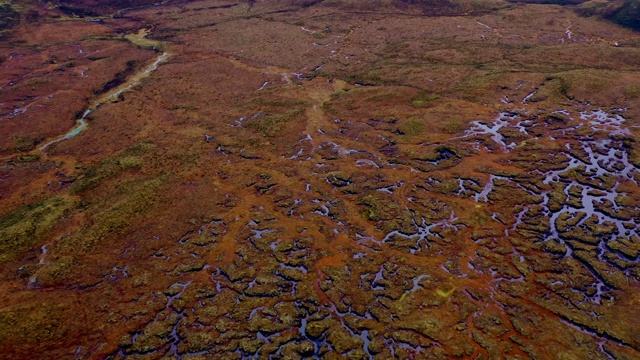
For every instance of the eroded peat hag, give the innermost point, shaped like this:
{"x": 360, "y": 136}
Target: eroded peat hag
{"x": 319, "y": 179}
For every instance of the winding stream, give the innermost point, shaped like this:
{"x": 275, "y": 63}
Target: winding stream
{"x": 111, "y": 96}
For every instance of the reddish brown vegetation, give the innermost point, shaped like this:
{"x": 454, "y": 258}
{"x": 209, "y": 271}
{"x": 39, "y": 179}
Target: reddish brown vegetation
{"x": 317, "y": 178}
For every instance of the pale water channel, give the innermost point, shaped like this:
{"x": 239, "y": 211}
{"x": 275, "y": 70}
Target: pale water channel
{"x": 115, "y": 93}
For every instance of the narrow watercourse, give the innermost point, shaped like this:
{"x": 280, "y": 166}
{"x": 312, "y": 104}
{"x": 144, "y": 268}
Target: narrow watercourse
{"x": 113, "y": 95}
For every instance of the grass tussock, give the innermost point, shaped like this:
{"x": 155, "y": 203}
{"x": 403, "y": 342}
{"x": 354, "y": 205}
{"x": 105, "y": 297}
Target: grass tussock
{"x": 29, "y": 226}
{"x": 134, "y": 198}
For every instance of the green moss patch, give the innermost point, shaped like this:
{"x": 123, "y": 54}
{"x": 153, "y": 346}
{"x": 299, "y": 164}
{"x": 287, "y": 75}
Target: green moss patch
{"x": 28, "y": 226}
{"x": 32, "y": 324}
{"x": 135, "y": 197}
{"x": 130, "y": 159}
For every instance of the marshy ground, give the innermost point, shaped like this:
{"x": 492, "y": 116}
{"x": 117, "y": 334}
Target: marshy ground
{"x": 307, "y": 179}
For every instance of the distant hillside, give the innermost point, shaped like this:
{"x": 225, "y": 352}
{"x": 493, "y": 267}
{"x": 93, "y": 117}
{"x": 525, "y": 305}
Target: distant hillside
{"x": 8, "y": 16}
{"x": 84, "y": 8}
{"x": 627, "y": 15}
{"x": 623, "y": 12}
{"x": 557, "y": 2}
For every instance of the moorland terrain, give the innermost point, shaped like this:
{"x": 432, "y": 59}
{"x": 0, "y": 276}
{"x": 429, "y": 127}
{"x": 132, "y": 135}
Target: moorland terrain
{"x": 287, "y": 179}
